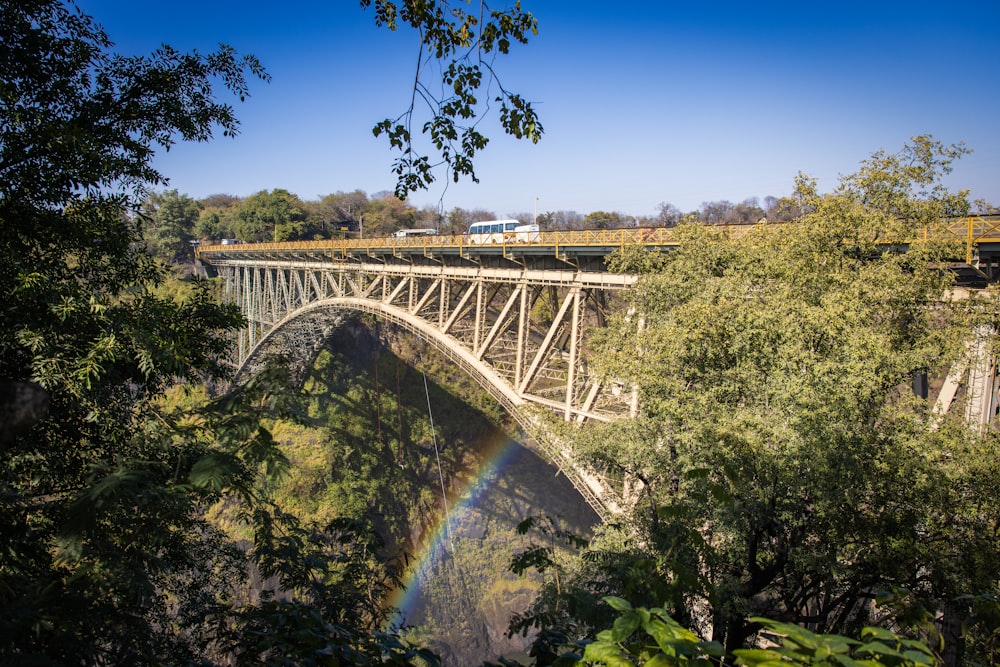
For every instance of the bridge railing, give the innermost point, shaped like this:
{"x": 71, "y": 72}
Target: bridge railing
{"x": 970, "y": 230}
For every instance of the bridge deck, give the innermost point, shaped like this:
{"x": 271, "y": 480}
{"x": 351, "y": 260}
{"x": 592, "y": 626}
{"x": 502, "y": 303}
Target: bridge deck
{"x": 979, "y": 235}
{"x": 515, "y": 316}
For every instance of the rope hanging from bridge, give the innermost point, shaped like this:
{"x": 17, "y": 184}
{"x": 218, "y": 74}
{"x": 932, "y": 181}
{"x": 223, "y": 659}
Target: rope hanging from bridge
{"x": 437, "y": 456}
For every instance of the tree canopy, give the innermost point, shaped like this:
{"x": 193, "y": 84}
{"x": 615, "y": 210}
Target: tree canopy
{"x": 108, "y": 469}
{"x": 782, "y": 466}
{"x": 169, "y": 219}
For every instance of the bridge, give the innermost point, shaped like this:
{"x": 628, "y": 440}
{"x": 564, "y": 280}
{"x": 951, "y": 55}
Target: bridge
{"x": 514, "y": 315}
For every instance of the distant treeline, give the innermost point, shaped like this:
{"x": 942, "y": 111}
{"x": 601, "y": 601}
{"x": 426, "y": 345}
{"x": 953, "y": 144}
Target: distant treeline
{"x": 174, "y": 221}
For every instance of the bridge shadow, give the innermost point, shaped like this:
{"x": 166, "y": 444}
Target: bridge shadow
{"x": 365, "y": 392}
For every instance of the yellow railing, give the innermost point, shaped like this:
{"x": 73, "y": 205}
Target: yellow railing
{"x": 971, "y": 230}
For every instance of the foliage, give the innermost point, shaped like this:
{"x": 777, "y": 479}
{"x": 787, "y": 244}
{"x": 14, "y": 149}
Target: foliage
{"x": 605, "y": 220}
{"x": 108, "y": 557}
{"x": 782, "y": 467}
{"x": 169, "y": 219}
{"x": 384, "y": 215}
{"x": 671, "y": 644}
{"x": 277, "y": 215}
{"x": 801, "y": 647}
{"x": 339, "y": 211}
{"x": 981, "y": 628}
{"x": 543, "y": 557}
{"x": 649, "y": 637}
{"x": 289, "y": 633}
{"x": 465, "y": 44}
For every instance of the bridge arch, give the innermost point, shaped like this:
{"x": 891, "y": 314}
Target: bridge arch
{"x": 299, "y": 336}
{"x": 476, "y": 305}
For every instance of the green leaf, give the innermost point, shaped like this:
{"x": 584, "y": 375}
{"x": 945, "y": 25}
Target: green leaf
{"x": 918, "y": 657}
{"x": 624, "y": 626}
{"x": 214, "y": 472}
{"x": 756, "y": 657}
{"x": 605, "y": 652}
{"x": 617, "y": 603}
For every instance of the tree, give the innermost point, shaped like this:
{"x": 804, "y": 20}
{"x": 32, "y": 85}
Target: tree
{"x": 459, "y": 219}
{"x": 108, "y": 557}
{"x": 217, "y": 217}
{"x": 277, "y": 215}
{"x": 386, "y": 214}
{"x": 669, "y": 215}
{"x": 605, "y": 220}
{"x": 339, "y": 210}
{"x": 210, "y": 226}
{"x": 464, "y": 44}
{"x": 747, "y": 212}
{"x": 101, "y": 524}
{"x": 782, "y": 467}
{"x": 561, "y": 220}
{"x": 715, "y": 212}
{"x": 984, "y": 207}
{"x": 170, "y": 220}
{"x": 91, "y": 521}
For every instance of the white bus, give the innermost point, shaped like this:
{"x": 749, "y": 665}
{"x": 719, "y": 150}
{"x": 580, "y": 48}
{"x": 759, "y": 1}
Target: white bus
{"x": 408, "y": 233}
{"x": 502, "y": 231}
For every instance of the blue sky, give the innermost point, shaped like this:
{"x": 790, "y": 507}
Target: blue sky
{"x": 642, "y": 102}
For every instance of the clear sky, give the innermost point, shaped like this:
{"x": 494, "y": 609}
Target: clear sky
{"x": 642, "y": 102}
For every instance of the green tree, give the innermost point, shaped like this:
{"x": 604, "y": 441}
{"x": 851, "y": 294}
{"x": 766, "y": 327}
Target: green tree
{"x": 101, "y": 523}
{"x": 465, "y": 45}
{"x": 782, "y": 467}
{"x": 108, "y": 557}
{"x": 209, "y": 226}
{"x": 169, "y": 221}
{"x": 386, "y": 214}
{"x": 605, "y": 220}
{"x": 277, "y": 215}
{"x": 338, "y": 210}
{"x": 217, "y": 216}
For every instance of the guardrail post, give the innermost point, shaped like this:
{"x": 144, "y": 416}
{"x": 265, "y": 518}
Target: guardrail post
{"x": 968, "y": 244}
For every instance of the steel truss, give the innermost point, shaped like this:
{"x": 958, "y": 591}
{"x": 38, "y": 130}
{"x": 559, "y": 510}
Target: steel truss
{"x": 518, "y": 325}
{"x": 521, "y": 333}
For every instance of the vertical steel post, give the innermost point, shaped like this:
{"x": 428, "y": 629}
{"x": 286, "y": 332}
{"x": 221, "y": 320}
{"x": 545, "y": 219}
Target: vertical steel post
{"x": 444, "y": 297}
{"x": 522, "y": 334}
{"x": 480, "y": 316}
{"x": 574, "y": 339}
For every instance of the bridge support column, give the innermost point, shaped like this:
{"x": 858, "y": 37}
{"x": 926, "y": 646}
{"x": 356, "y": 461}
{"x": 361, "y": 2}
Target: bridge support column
{"x": 574, "y": 339}
{"x": 977, "y": 372}
{"x": 522, "y": 333}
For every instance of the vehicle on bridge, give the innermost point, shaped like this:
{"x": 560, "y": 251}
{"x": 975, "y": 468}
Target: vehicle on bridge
{"x": 502, "y": 231}
{"x": 409, "y": 233}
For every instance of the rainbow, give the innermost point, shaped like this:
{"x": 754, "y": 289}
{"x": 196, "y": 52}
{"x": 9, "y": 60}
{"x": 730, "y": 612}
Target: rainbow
{"x": 498, "y": 451}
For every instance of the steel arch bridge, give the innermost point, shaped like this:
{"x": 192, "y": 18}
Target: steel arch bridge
{"x": 513, "y": 315}
{"x": 479, "y": 317}
{"x": 518, "y": 326}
